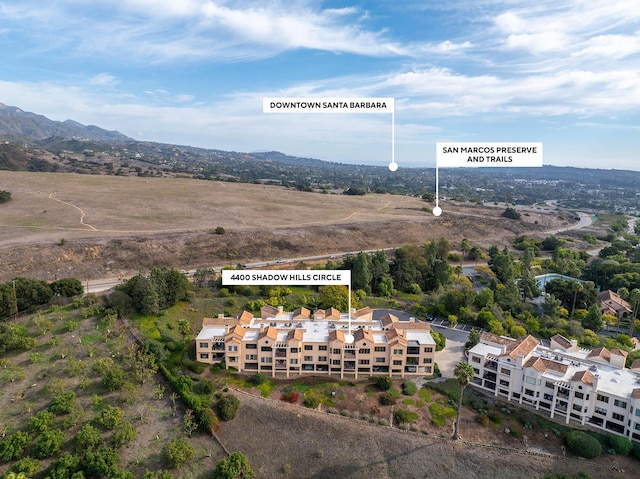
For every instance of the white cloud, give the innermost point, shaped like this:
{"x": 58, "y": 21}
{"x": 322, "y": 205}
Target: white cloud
{"x": 103, "y": 79}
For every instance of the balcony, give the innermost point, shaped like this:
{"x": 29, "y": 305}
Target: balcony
{"x": 349, "y": 365}
{"x": 281, "y": 364}
{"x": 491, "y": 365}
{"x": 349, "y": 354}
{"x": 217, "y": 347}
{"x": 411, "y": 362}
{"x": 281, "y": 353}
{"x": 413, "y": 350}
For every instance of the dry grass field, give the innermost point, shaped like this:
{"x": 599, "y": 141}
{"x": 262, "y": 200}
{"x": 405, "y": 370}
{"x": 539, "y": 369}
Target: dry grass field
{"x": 98, "y": 226}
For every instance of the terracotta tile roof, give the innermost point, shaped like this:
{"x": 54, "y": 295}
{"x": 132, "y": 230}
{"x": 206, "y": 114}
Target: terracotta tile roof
{"x": 301, "y": 313}
{"x": 635, "y": 364}
{"x": 245, "y": 317}
{"x": 612, "y": 303}
{"x": 603, "y": 353}
{"x": 237, "y": 331}
{"x": 270, "y": 332}
{"x": 219, "y": 321}
{"x": 388, "y": 319}
{"x": 619, "y": 352}
{"x": 562, "y": 341}
{"x": 332, "y": 313}
{"x": 494, "y": 338}
{"x": 359, "y": 313}
{"x": 268, "y": 311}
{"x": 584, "y": 376}
{"x": 542, "y": 364}
{"x": 363, "y": 334}
{"x": 523, "y": 346}
{"x": 296, "y": 334}
{"x": 635, "y": 394}
{"x": 412, "y": 325}
{"x": 396, "y": 336}
{"x": 336, "y": 335}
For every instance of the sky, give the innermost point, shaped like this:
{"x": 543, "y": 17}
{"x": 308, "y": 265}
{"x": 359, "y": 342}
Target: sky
{"x": 194, "y": 72}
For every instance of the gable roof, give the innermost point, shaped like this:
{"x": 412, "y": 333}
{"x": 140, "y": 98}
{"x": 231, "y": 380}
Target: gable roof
{"x": 562, "y": 341}
{"x": 301, "y": 313}
{"x": 245, "y": 317}
{"x": 542, "y": 364}
{"x": 602, "y": 353}
{"x": 522, "y": 347}
{"x": 612, "y": 303}
{"x": 269, "y": 332}
{"x": 585, "y": 377}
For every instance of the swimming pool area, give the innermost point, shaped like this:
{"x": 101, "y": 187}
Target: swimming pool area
{"x": 544, "y": 278}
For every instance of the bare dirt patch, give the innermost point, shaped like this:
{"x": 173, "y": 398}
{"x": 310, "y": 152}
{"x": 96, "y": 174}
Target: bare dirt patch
{"x": 99, "y": 226}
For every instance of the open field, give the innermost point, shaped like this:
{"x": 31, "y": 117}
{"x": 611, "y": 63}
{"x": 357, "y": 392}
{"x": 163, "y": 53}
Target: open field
{"x": 98, "y": 226}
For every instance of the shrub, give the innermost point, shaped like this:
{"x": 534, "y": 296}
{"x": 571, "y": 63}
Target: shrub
{"x": 87, "y": 438}
{"x": 495, "y": 417}
{"x": 204, "y": 387}
{"x": 386, "y": 399}
{"x": 102, "y": 462}
{"x": 384, "y": 383}
{"x": 311, "y": 401}
{"x": 110, "y": 417}
{"x": 228, "y": 407}
{"x": 177, "y": 451}
{"x": 48, "y": 443}
{"x": 233, "y": 466}
{"x": 483, "y": 419}
{"x": 13, "y": 446}
{"x": 41, "y": 422}
{"x": 437, "y": 415}
{"x": 621, "y": 445}
{"x": 409, "y": 388}
{"x": 124, "y": 435}
{"x": 583, "y": 445}
{"x": 63, "y": 403}
{"x": 402, "y": 416}
{"x": 440, "y": 339}
{"x": 219, "y": 230}
{"x": 290, "y": 397}
{"x": 27, "y": 465}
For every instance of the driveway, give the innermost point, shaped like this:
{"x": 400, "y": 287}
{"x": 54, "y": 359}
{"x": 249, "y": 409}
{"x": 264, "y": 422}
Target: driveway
{"x": 453, "y": 352}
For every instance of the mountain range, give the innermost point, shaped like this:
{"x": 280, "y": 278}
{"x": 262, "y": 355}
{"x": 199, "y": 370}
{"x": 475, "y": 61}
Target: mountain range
{"x": 32, "y": 142}
{"x": 24, "y": 126}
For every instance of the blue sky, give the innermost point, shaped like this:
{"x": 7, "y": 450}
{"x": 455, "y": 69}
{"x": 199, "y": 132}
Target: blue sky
{"x": 563, "y": 72}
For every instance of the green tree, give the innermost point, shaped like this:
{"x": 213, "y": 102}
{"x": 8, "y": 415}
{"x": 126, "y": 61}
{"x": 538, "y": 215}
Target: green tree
{"x": 474, "y": 338}
{"x": 102, "y": 462}
{"x": 593, "y": 319}
{"x": 465, "y": 247}
{"x": 41, "y": 422}
{"x": 48, "y": 443}
{"x": 228, "y": 406}
{"x": 385, "y": 287}
{"x": 551, "y": 306}
{"x": 5, "y": 196}
{"x": 379, "y": 269}
{"x": 177, "y": 451}
{"x": 634, "y": 299}
{"x": 463, "y": 373}
{"x": 12, "y": 447}
{"x": 335, "y": 296}
{"x": 86, "y": 438}
{"x": 235, "y": 466}
{"x": 67, "y": 287}
{"x": 362, "y": 275}
{"x": 184, "y": 327}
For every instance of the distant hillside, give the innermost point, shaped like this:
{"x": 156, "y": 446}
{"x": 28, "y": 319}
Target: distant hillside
{"x": 23, "y": 126}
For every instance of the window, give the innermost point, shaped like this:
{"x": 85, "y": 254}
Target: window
{"x": 265, "y": 349}
{"x": 530, "y": 380}
{"x": 397, "y": 363}
{"x": 397, "y": 351}
{"x": 380, "y": 349}
{"x": 638, "y": 412}
{"x": 575, "y": 407}
{"x": 364, "y": 351}
{"x": 251, "y": 346}
{"x": 428, "y": 349}
{"x": 363, "y": 361}
{"x": 475, "y": 359}
{"x": 427, "y": 360}
{"x": 504, "y": 383}
{"x": 295, "y": 350}
{"x": 322, "y": 359}
{"x": 294, "y": 361}
{"x": 308, "y": 347}
{"x": 602, "y": 398}
{"x": 322, "y": 347}
{"x": 251, "y": 357}
{"x": 308, "y": 359}
{"x": 549, "y": 385}
{"x": 266, "y": 360}
{"x": 335, "y": 351}
{"x": 204, "y": 355}
{"x": 579, "y": 395}
{"x": 335, "y": 362}
{"x": 636, "y": 426}
{"x": 617, "y": 417}
{"x": 599, "y": 410}
{"x": 505, "y": 371}
{"x": 620, "y": 404}
{"x": 233, "y": 348}
{"x": 233, "y": 359}
{"x": 384, "y": 360}
{"x": 204, "y": 345}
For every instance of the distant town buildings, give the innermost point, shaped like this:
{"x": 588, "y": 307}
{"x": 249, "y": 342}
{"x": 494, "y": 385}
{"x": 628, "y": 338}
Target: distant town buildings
{"x": 296, "y": 343}
{"x": 563, "y": 381}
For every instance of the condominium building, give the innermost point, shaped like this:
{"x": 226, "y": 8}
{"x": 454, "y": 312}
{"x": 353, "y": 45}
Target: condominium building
{"x": 299, "y": 342}
{"x": 563, "y": 381}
